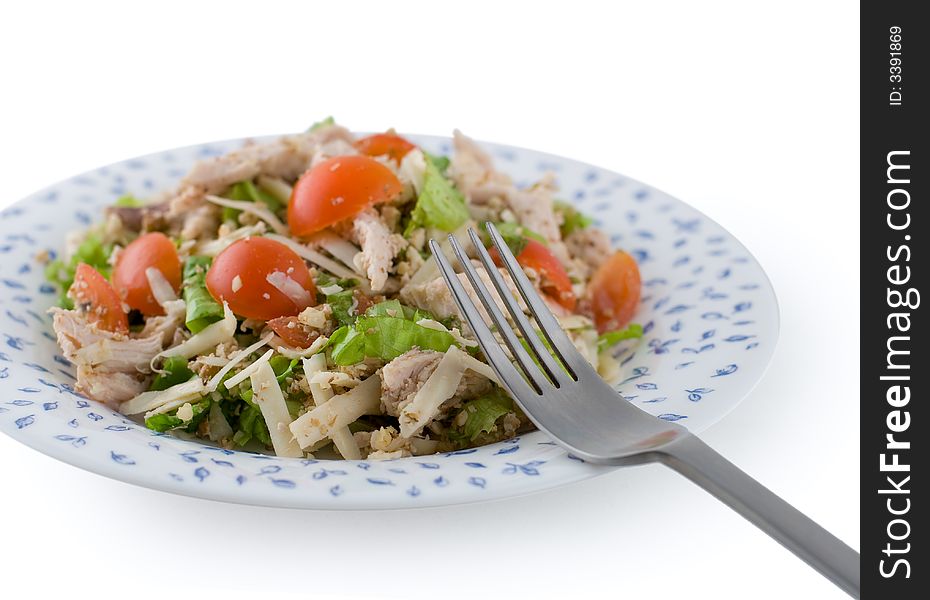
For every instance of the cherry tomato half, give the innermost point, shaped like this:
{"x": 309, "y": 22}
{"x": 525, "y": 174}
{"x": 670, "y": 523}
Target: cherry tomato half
{"x": 91, "y": 291}
{"x": 239, "y": 276}
{"x": 615, "y": 289}
{"x": 294, "y": 333}
{"x": 384, "y": 144}
{"x": 554, "y": 279}
{"x": 149, "y": 250}
{"x": 337, "y": 189}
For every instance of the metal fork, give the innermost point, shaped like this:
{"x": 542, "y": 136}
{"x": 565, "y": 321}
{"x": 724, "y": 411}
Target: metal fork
{"x": 566, "y": 398}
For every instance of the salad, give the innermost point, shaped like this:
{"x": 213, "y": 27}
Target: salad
{"x": 283, "y": 299}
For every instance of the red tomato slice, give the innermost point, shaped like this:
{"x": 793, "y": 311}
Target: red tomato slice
{"x": 239, "y": 276}
{"x": 337, "y": 189}
{"x": 554, "y": 279}
{"x": 91, "y": 292}
{"x": 615, "y": 289}
{"x": 294, "y": 333}
{"x": 384, "y": 144}
{"x": 149, "y": 250}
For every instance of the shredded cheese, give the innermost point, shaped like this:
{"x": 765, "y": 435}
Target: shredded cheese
{"x": 259, "y": 210}
{"x": 176, "y": 395}
{"x": 323, "y": 261}
{"x": 275, "y": 186}
{"x": 338, "y": 412}
{"x": 270, "y": 400}
{"x": 454, "y": 332}
{"x": 290, "y": 288}
{"x": 342, "y": 437}
{"x": 234, "y": 360}
{"x": 210, "y": 337}
{"x": 161, "y": 289}
{"x": 247, "y": 372}
{"x": 315, "y": 347}
{"x": 340, "y": 248}
{"x": 440, "y": 386}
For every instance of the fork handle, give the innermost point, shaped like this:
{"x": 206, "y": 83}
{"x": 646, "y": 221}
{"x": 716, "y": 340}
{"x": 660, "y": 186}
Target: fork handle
{"x": 809, "y": 541}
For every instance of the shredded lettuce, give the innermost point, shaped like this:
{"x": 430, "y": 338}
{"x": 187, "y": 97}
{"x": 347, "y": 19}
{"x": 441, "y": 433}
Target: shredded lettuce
{"x": 251, "y": 425}
{"x": 439, "y": 204}
{"x": 440, "y": 162}
{"x": 175, "y": 371}
{"x": 322, "y": 123}
{"x": 572, "y": 219}
{"x": 202, "y": 309}
{"x": 128, "y": 200}
{"x": 515, "y": 236}
{"x": 632, "y": 331}
{"x": 92, "y": 252}
{"x": 384, "y": 337}
{"x": 248, "y": 192}
{"x": 169, "y": 420}
{"x": 482, "y": 413}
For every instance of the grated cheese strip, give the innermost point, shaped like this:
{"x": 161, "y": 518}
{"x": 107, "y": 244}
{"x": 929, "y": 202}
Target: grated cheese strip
{"x": 214, "y": 247}
{"x": 267, "y": 395}
{"x": 161, "y": 289}
{"x": 258, "y": 210}
{"x": 340, "y": 248}
{"x": 210, "y": 337}
{"x": 148, "y": 401}
{"x": 275, "y": 186}
{"x": 247, "y": 372}
{"x": 338, "y": 412}
{"x": 315, "y": 347}
{"x": 290, "y": 288}
{"x": 454, "y": 332}
{"x": 234, "y": 360}
{"x": 323, "y": 261}
{"x": 342, "y": 437}
{"x": 440, "y": 386}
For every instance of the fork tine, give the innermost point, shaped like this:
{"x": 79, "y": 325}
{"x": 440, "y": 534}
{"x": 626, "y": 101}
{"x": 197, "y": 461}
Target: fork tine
{"x": 503, "y": 327}
{"x": 552, "y": 368}
{"x": 548, "y": 324}
{"x": 499, "y": 361}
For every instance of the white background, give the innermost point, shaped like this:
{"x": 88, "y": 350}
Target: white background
{"x": 749, "y": 112}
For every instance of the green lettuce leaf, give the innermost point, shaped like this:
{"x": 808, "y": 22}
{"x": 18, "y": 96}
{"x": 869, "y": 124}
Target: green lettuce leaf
{"x": 515, "y": 236}
{"x": 572, "y": 219}
{"x": 439, "y": 205}
{"x": 482, "y": 413}
{"x": 322, "y": 123}
{"x": 249, "y": 192}
{"x": 632, "y": 331}
{"x": 440, "y": 162}
{"x": 92, "y": 252}
{"x": 251, "y": 426}
{"x": 202, "y": 309}
{"x": 128, "y": 200}
{"x": 176, "y": 371}
{"x": 169, "y": 420}
{"x": 385, "y": 338}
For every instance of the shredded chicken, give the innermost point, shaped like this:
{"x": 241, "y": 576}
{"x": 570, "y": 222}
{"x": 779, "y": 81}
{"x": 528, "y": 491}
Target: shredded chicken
{"x": 108, "y": 363}
{"x": 405, "y": 375}
{"x": 286, "y": 158}
{"x": 379, "y": 247}
{"x": 434, "y": 296}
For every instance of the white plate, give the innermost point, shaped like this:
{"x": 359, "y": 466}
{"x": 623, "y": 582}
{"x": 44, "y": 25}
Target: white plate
{"x": 709, "y": 312}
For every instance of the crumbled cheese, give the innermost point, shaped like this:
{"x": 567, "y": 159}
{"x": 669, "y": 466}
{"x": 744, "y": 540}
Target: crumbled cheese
{"x": 185, "y": 412}
{"x": 342, "y": 438}
{"x": 236, "y": 284}
{"x": 316, "y": 317}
